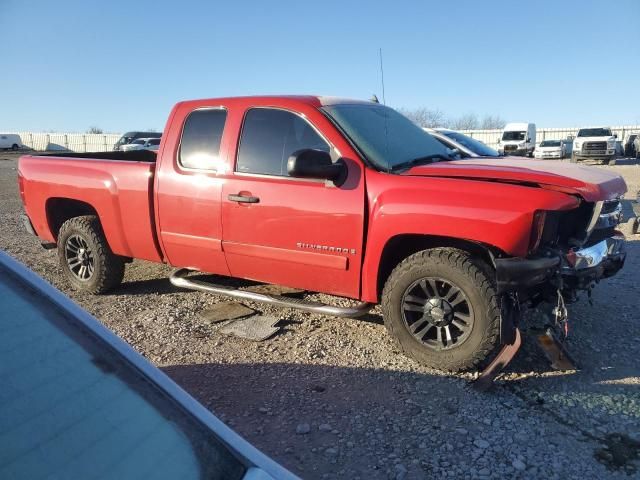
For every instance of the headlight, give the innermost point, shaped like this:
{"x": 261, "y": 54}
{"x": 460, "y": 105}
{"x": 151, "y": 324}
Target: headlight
{"x": 521, "y": 144}
{"x": 611, "y": 144}
{"x": 577, "y": 145}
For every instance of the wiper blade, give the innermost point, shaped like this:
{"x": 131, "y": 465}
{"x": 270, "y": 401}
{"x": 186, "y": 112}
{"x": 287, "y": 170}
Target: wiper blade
{"x": 420, "y": 160}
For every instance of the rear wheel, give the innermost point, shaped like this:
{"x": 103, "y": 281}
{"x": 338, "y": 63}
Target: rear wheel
{"x": 15, "y": 147}
{"x": 85, "y": 257}
{"x": 442, "y": 309}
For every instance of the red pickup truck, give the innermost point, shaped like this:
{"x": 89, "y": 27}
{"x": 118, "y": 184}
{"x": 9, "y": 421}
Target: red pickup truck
{"x": 339, "y": 196}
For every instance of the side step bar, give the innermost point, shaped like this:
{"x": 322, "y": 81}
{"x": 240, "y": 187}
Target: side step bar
{"x": 178, "y": 278}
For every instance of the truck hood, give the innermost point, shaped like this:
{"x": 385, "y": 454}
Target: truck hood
{"x": 592, "y": 184}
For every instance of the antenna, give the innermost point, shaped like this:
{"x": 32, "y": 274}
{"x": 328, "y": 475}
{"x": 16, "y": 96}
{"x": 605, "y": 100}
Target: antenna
{"x": 384, "y": 100}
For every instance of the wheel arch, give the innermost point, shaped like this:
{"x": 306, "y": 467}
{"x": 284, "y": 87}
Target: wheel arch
{"x": 401, "y": 246}
{"x": 59, "y": 210}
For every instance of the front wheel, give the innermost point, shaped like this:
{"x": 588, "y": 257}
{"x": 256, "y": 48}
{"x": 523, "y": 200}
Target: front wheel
{"x": 85, "y": 257}
{"x": 15, "y": 147}
{"x": 442, "y": 309}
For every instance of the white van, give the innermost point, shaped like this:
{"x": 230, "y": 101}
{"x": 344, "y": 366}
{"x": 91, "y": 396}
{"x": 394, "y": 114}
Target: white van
{"x": 10, "y": 141}
{"x": 518, "y": 139}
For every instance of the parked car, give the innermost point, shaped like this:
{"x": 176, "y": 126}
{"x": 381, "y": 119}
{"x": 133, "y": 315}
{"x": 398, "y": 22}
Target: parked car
{"x": 550, "y": 149}
{"x": 636, "y": 144}
{"x": 518, "y": 139}
{"x": 142, "y": 144}
{"x": 152, "y": 144}
{"x": 78, "y": 402}
{"x": 10, "y": 141}
{"x": 315, "y": 193}
{"x": 469, "y": 147}
{"x": 129, "y": 137}
{"x": 594, "y": 143}
{"x": 629, "y": 144}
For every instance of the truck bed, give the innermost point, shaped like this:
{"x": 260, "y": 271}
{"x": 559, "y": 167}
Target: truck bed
{"x": 117, "y": 186}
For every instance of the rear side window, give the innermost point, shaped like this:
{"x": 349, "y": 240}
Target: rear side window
{"x": 270, "y": 136}
{"x": 201, "y": 136}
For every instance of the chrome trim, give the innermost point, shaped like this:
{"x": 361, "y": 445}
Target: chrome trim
{"x": 178, "y": 279}
{"x": 594, "y": 255}
{"x": 611, "y": 219}
{"x": 597, "y": 208}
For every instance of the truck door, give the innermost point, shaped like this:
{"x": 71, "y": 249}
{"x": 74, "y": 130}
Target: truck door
{"x": 188, "y": 190}
{"x": 302, "y": 233}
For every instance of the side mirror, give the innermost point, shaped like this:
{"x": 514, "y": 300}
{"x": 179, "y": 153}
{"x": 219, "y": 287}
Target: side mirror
{"x": 310, "y": 163}
{"x": 615, "y": 135}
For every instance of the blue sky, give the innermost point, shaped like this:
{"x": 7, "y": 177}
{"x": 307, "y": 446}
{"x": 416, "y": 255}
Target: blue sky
{"x": 121, "y": 65}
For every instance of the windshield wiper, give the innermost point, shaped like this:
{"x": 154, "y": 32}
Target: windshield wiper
{"x": 420, "y": 160}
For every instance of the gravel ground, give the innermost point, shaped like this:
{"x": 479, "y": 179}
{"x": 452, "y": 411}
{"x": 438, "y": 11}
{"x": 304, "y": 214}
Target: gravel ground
{"x": 332, "y": 398}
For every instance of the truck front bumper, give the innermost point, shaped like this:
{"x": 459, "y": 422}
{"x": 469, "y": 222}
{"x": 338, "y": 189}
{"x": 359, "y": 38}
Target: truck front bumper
{"x": 596, "y": 155}
{"x": 578, "y": 268}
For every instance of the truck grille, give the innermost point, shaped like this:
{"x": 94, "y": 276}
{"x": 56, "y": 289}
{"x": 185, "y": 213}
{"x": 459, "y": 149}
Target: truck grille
{"x": 590, "y": 146}
{"x": 583, "y": 226}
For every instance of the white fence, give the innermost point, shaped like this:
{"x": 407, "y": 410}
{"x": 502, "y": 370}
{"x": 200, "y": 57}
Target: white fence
{"x": 491, "y": 137}
{"x": 76, "y": 142}
{"x": 85, "y": 142}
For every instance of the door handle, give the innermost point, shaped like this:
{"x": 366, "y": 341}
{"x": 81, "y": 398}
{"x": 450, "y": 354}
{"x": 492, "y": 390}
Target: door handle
{"x": 243, "y": 199}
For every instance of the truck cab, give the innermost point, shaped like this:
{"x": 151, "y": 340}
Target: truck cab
{"x": 518, "y": 139}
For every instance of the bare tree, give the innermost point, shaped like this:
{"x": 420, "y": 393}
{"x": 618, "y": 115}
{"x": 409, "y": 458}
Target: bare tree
{"x": 492, "y": 122}
{"x": 468, "y": 121}
{"x": 95, "y": 130}
{"x": 425, "y": 117}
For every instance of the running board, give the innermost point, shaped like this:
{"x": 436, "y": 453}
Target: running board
{"x": 178, "y": 278}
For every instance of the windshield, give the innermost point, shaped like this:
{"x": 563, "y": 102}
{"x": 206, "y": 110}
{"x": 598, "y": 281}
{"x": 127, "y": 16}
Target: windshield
{"x": 387, "y": 138}
{"x": 550, "y": 143}
{"x": 472, "y": 144}
{"x": 594, "y": 132}
{"x": 513, "y": 135}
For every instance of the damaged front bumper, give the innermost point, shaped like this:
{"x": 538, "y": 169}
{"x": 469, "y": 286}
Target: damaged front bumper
{"x": 577, "y": 268}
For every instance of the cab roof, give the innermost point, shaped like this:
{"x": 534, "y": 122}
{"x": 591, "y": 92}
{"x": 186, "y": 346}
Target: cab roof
{"x": 282, "y": 100}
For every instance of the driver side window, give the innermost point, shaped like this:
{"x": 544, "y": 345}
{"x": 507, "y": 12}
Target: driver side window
{"x": 269, "y": 136}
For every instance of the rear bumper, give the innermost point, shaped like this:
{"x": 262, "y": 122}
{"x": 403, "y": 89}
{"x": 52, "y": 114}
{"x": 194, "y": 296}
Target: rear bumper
{"x": 28, "y": 226}
{"x": 578, "y": 268}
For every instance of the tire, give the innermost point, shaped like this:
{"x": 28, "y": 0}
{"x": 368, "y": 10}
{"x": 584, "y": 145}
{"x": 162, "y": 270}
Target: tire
{"x": 15, "y": 147}
{"x": 436, "y": 345}
{"x": 82, "y": 244}
{"x": 607, "y": 161}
